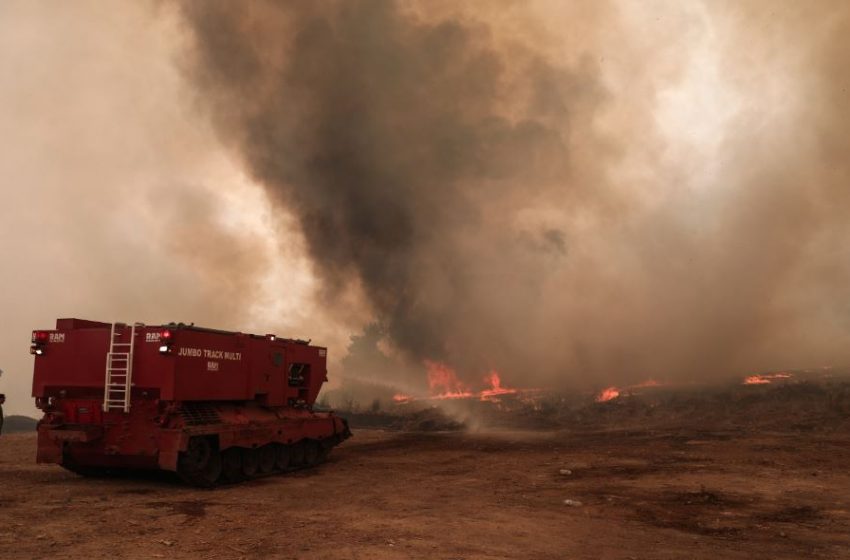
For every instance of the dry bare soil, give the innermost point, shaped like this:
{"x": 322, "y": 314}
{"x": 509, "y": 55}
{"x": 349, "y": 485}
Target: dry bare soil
{"x": 684, "y": 493}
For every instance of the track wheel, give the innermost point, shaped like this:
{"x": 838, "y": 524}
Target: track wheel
{"x": 268, "y": 456}
{"x": 232, "y": 464}
{"x": 70, "y": 464}
{"x": 200, "y": 465}
{"x": 250, "y": 462}
{"x": 88, "y": 472}
{"x": 311, "y": 452}
{"x": 324, "y": 450}
{"x": 296, "y": 459}
{"x": 284, "y": 454}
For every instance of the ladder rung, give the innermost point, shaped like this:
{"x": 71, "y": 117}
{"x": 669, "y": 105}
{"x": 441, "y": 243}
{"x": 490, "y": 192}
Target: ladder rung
{"x": 119, "y": 362}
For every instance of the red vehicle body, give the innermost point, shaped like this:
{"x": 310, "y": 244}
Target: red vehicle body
{"x": 213, "y": 406}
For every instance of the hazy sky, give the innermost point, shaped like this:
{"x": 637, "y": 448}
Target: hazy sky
{"x": 632, "y": 188}
{"x": 110, "y": 198}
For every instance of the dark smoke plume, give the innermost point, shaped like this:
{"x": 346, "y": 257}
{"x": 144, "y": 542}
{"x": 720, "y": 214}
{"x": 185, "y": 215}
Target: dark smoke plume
{"x": 393, "y": 139}
{"x": 456, "y": 176}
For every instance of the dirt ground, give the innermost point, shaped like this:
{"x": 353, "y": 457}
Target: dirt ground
{"x": 636, "y": 495}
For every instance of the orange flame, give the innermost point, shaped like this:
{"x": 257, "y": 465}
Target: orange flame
{"x": 611, "y": 393}
{"x": 443, "y": 378}
{"x": 648, "y": 383}
{"x": 764, "y": 379}
{"x": 455, "y": 395}
{"x": 608, "y": 394}
{"x": 444, "y": 384}
{"x": 495, "y": 387}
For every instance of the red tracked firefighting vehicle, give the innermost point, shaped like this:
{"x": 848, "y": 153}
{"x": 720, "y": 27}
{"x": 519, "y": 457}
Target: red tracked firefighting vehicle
{"x": 214, "y": 406}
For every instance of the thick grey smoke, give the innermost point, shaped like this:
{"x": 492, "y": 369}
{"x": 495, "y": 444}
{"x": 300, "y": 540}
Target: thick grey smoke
{"x": 496, "y": 207}
{"x": 401, "y": 144}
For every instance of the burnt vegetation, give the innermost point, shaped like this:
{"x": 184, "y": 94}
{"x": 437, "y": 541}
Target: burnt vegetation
{"x": 800, "y": 406}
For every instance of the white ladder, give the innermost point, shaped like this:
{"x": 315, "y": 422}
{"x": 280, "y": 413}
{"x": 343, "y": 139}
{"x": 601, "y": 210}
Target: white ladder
{"x": 119, "y": 368}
